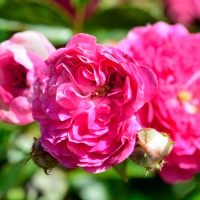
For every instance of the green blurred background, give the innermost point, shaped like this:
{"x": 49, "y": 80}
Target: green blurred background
{"x": 109, "y": 21}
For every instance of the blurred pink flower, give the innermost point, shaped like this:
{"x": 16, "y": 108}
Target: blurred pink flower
{"x": 20, "y": 58}
{"x": 183, "y": 11}
{"x": 85, "y": 99}
{"x": 173, "y": 53}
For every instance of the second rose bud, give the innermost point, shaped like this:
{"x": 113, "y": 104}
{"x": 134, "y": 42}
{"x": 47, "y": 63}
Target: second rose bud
{"x": 151, "y": 148}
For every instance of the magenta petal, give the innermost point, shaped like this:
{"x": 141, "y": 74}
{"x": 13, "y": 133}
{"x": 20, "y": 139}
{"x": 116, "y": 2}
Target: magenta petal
{"x": 150, "y": 82}
{"x": 81, "y": 38}
{"x": 34, "y": 42}
{"x": 20, "y": 56}
{"x": 68, "y": 97}
{"x": 173, "y": 174}
{"x": 23, "y": 113}
{"x": 9, "y": 117}
{"x": 5, "y": 98}
{"x": 98, "y": 169}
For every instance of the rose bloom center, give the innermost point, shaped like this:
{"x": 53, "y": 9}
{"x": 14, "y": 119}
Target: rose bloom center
{"x": 189, "y": 103}
{"x": 14, "y": 76}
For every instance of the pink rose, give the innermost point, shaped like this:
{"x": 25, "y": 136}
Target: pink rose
{"x": 173, "y": 53}
{"x": 20, "y": 58}
{"x": 183, "y": 11}
{"x": 85, "y": 99}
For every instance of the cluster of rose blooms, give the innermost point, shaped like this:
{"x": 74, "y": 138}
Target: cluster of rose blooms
{"x": 92, "y": 100}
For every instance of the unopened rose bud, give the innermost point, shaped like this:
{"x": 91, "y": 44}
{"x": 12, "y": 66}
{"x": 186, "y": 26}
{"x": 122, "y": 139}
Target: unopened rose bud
{"x": 151, "y": 148}
{"x": 42, "y": 158}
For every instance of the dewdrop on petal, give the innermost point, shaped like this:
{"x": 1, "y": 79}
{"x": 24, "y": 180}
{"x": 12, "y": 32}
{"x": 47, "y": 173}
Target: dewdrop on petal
{"x": 42, "y": 158}
{"x": 151, "y": 148}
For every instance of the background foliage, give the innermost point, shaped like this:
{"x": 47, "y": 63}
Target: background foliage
{"x": 109, "y": 22}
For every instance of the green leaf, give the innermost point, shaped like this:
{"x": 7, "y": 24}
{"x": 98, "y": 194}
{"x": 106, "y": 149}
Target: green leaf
{"x": 79, "y": 3}
{"x": 34, "y": 12}
{"x": 183, "y": 188}
{"x": 121, "y": 169}
{"x": 8, "y": 127}
{"x": 190, "y": 189}
{"x": 43, "y": 16}
{"x": 9, "y": 176}
{"x": 4, "y": 35}
{"x": 113, "y": 24}
{"x": 57, "y": 35}
{"x": 119, "y": 17}
{"x": 108, "y": 35}
{"x": 136, "y": 171}
{"x": 7, "y": 132}
{"x": 15, "y": 193}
